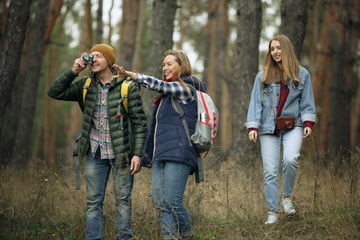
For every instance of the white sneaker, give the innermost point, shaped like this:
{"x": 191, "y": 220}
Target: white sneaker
{"x": 273, "y": 217}
{"x": 288, "y": 206}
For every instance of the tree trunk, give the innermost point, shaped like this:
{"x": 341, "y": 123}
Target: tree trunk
{"x": 334, "y": 78}
{"x": 315, "y": 12}
{"x": 128, "y": 32}
{"x": 8, "y": 132}
{"x": 54, "y": 12}
{"x": 355, "y": 34}
{"x": 86, "y": 41}
{"x": 187, "y": 10}
{"x": 344, "y": 45}
{"x": 246, "y": 66}
{"x": 50, "y": 110}
{"x": 320, "y": 68}
{"x": 293, "y": 22}
{"x": 30, "y": 79}
{"x": 109, "y": 24}
{"x": 11, "y": 49}
{"x": 162, "y": 29}
{"x": 355, "y": 121}
{"x": 136, "y": 64}
{"x": 49, "y": 117}
{"x": 99, "y": 22}
{"x": 215, "y": 74}
{"x": 3, "y": 18}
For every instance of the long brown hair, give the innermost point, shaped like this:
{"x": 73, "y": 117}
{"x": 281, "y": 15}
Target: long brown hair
{"x": 184, "y": 63}
{"x": 290, "y": 63}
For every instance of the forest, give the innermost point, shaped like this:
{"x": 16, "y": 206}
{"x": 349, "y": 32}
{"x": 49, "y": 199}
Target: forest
{"x": 226, "y": 41}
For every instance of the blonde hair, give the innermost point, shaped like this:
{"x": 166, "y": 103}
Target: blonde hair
{"x": 184, "y": 63}
{"x": 290, "y": 63}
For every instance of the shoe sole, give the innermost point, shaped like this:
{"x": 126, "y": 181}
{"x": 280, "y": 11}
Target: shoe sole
{"x": 290, "y": 213}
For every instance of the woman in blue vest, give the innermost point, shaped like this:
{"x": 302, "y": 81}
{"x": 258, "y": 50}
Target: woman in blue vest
{"x": 167, "y": 147}
{"x": 281, "y": 112}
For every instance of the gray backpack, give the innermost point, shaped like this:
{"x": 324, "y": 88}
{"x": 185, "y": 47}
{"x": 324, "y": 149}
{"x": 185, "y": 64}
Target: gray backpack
{"x": 207, "y": 121}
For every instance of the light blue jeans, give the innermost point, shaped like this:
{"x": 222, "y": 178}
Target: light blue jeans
{"x": 168, "y": 187}
{"x": 270, "y": 153}
{"x": 97, "y": 175}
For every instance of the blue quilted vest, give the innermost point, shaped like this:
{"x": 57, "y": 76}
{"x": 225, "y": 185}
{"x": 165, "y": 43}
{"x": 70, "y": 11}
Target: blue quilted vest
{"x": 166, "y": 139}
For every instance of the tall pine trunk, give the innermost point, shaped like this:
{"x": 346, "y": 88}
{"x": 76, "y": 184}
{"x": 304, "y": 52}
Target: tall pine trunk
{"x": 334, "y": 77}
{"x": 344, "y": 45}
{"x": 163, "y": 16}
{"x": 109, "y": 24}
{"x": 162, "y": 28}
{"x": 3, "y": 18}
{"x": 11, "y": 49}
{"x": 293, "y": 22}
{"x": 215, "y": 74}
{"x": 136, "y": 63}
{"x": 86, "y": 39}
{"x": 99, "y": 22}
{"x": 29, "y": 77}
{"x": 246, "y": 66}
{"x": 320, "y": 59}
{"x": 129, "y": 24}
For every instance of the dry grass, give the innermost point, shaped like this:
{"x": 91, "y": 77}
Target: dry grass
{"x": 42, "y": 204}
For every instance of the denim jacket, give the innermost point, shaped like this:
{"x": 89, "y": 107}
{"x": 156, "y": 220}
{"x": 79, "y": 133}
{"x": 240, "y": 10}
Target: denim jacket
{"x": 264, "y": 100}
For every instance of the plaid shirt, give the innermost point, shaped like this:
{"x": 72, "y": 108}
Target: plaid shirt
{"x": 284, "y": 92}
{"x": 100, "y": 131}
{"x": 168, "y": 88}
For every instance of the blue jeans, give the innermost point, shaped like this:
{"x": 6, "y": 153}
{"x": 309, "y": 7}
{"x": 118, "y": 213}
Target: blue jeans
{"x": 270, "y": 153}
{"x": 168, "y": 187}
{"x": 97, "y": 175}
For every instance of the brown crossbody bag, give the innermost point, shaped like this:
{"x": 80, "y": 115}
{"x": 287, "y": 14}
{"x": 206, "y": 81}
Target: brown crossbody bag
{"x": 283, "y": 123}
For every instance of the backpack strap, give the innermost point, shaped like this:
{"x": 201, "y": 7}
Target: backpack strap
{"x": 86, "y": 87}
{"x": 77, "y": 163}
{"x": 177, "y": 108}
{"x": 125, "y": 93}
{"x": 199, "y": 173}
{"x": 124, "y": 98}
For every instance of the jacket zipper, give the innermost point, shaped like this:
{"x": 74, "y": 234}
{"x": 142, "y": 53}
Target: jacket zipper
{"x": 156, "y": 126}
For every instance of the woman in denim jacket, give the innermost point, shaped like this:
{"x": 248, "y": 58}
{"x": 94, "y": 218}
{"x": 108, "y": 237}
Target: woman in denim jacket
{"x": 283, "y": 89}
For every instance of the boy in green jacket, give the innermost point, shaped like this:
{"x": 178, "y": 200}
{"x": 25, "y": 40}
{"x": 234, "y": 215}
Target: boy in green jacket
{"x": 105, "y": 142}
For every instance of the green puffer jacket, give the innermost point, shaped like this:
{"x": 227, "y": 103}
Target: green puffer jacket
{"x": 64, "y": 88}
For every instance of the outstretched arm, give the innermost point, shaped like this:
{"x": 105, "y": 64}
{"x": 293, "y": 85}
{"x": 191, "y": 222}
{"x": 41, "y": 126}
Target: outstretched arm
{"x": 169, "y": 88}
{"x": 124, "y": 73}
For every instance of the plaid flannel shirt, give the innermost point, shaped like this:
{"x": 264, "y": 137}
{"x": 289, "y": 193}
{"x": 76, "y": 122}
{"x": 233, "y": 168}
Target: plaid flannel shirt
{"x": 284, "y": 92}
{"x": 100, "y": 131}
{"x": 168, "y": 88}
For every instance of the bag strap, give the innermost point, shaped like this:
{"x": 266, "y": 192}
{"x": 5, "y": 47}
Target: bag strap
{"x": 77, "y": 163}
{"x": 177, "y": 108}
{"x": 199, "y": 174}
{"x": 125, "y": 93}
{"x": 85, "y": 88}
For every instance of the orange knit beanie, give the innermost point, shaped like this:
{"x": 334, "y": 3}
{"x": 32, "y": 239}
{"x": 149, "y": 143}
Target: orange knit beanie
{"x": 106, "y": 50}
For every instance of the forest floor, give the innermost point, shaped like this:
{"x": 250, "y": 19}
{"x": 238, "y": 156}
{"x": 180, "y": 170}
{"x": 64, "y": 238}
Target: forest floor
{"x": 38, "y": 203}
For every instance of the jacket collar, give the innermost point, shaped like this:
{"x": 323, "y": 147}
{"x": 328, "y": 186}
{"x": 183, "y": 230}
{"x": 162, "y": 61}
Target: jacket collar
{"x": 113, "y": 83}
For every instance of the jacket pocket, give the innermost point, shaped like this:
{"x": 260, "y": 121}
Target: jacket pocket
{"x": 298, "y": 87}
{"x": 266, "y": 96}
{"x": 267, "y": 91}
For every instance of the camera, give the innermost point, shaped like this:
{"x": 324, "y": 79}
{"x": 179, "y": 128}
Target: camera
{"x": 88, "y": 59}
